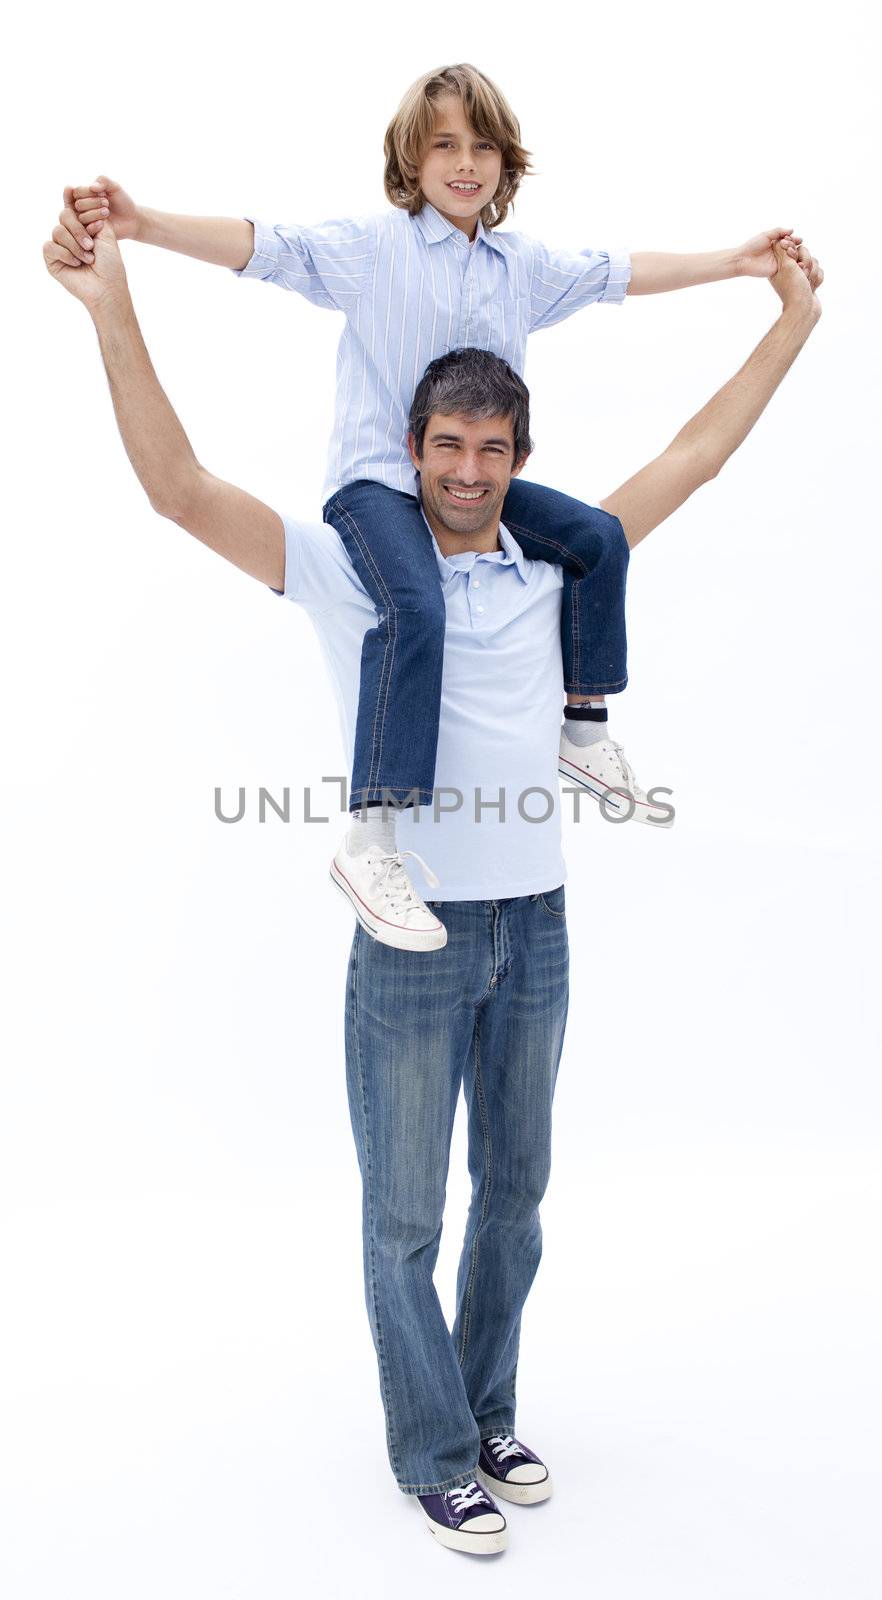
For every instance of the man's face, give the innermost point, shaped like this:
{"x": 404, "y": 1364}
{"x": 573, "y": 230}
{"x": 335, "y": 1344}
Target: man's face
{"x": 465, "y": 470}
{"x": 459, "y": 172}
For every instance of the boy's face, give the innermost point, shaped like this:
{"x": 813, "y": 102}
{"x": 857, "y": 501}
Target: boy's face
{"x": 460, "y": 173}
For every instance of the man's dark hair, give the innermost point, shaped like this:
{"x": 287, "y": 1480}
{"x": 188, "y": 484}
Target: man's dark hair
{"x": 477, "y": 384}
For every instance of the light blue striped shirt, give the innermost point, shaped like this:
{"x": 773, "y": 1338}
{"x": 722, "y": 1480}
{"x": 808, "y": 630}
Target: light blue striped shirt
{"x": 412, "y": 288}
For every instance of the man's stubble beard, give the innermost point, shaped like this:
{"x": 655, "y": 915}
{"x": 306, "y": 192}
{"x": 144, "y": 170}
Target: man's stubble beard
{"x": 464, "y": 529}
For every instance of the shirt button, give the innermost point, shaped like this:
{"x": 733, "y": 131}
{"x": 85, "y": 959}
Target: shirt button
{"x": 480, "y": 610}
{"x": 476, "y": 583}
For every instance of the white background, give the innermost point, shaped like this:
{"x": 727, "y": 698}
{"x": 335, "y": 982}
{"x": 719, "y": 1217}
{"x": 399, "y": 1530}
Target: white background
{"x": 190, "y": 1404}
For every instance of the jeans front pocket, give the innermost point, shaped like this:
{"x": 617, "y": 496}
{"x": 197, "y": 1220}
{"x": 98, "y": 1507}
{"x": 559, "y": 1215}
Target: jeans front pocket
{"x": 554, "y": 902}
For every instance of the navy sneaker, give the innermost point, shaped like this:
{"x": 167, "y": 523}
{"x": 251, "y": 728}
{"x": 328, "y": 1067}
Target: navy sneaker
{"x": 512, "y": 1471}
{"x": 465, "y": 1519}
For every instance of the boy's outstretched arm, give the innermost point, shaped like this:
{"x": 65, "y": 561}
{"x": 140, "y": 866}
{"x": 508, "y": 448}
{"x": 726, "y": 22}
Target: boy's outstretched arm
{"x": 225, "y": 241}
{"x": 709, "y": 439}
{"x": 237, "y": 525}
{"x": 654, "y": 272}
{"x": 330, "y": 265}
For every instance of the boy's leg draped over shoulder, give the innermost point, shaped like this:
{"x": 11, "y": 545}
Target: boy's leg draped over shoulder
{"x": 489, "y": 1011}
{"x": 402, "y": 658}
{"x": 591, "y": 547}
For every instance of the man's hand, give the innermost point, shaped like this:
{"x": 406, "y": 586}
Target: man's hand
{"x": 703, "y": 447}
{"x": 756, "y": 258}
{"x": 94, "y": 284}
{"x": 235, "y": 524}
{"x": 795, "y": 281}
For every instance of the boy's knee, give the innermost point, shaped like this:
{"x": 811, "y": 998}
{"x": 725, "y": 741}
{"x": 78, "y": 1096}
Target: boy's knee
{"x": 600, "y": 543}
{"x": 425, "y": 613}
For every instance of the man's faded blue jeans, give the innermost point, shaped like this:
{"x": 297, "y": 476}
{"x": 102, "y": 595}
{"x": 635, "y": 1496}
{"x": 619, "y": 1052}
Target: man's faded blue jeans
{"x": 488, "y": 1012}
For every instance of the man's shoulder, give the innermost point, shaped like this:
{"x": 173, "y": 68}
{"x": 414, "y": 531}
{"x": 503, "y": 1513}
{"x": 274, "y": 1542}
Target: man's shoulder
{"x": 318, "y": 572}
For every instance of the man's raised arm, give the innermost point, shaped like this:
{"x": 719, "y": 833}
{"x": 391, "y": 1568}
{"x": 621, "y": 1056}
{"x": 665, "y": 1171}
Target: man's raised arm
{"x": 235, "y": 524}
{"x": 706, "y": 443}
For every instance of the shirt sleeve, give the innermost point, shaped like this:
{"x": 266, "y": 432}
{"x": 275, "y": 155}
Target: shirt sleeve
{"x": 563, "y": 282}
{"x": 330, "y": 265}
{"x": 318, "y": 573}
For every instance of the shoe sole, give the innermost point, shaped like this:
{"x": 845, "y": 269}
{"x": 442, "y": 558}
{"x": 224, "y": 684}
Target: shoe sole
{"x": 522, "y": 1494}
{"x": 613, "y": 797}
{"x": 421, "y": 943}
{"x": 473, "y": 1544}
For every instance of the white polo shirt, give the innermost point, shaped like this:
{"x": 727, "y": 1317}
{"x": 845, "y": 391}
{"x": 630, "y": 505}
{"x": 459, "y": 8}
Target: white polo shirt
{"x": 501, "y": 698}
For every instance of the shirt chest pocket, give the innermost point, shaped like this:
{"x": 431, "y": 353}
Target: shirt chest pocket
{"x": 496, "y": 316}
{"x": 510, "y": 323}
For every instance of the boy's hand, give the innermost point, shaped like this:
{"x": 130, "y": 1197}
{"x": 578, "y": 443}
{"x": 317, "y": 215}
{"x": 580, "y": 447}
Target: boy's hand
{"x": 88, "y": 207}
{"x": 95, "y": 285}
{"x": 756, "y": 258}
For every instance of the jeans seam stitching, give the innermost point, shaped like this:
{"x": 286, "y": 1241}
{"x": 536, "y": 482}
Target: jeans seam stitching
{"x": 575, "y": 609}
{"x": 554, "y": 544}
{"x": 460, "y": 1480}
{"x": 571, "y": 560}
{"x": 391, "y": 619}
{"x": 485, "y": 1204}
{"x": 577, "y": 624}
{"x": 393, "y": 1448}
{"x": 550, "y": 911}
{"x": 595, "y": 688}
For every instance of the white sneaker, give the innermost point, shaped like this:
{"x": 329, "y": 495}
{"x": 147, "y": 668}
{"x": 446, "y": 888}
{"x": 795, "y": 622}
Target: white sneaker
{"x": 376, "y": 884}
{"x": 602, "y": 769}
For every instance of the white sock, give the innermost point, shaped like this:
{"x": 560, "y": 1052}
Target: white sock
{"x": 586, "y": 724}
{"x": 372, "y": 825}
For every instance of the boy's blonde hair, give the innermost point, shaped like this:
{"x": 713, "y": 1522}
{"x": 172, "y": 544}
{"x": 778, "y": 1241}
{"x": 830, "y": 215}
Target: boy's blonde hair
{"x": 409, "y": 133}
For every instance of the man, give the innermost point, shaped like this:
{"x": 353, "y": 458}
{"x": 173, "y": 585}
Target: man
{"x": 489, "y": 1009}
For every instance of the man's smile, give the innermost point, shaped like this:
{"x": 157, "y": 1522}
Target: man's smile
{"x": 464, "y": 495}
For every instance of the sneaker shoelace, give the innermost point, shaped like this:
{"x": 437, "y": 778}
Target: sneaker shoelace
{"x": 503, "y": 1446}
{"x": 627, "y": 770}
{"x": 621, "y": 760}
{"x": 468, "y": 1494}
{"x": 394, "y": 884}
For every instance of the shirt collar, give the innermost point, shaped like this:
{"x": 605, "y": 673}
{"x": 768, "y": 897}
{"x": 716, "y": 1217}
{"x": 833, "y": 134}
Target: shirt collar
{"x": 434, "y": 228}
{"x": 511, "y": 555}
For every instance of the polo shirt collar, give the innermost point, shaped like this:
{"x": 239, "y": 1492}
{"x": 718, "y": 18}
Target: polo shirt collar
{"x": 434, "y": 228}
{"x": 511, "y": 556}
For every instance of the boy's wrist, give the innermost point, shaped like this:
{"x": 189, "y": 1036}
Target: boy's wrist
{"x": 145, "y": 225}
{"x": 733, "y": 260}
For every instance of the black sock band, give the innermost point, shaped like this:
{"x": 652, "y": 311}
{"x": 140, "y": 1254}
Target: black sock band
{"x": 586, "y": 713}
{"x": 370, "y": 805}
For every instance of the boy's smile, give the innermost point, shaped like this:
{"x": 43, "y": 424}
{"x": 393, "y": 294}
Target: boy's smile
{"x": 460, "y": 171}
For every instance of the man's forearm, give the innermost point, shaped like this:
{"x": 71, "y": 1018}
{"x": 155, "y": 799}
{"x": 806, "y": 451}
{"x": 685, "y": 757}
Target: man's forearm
{"x": 723, "y": 424}
{"x": 707, "y": 441}
{"x": 655, "y": 272}
{"x": 155, "y": 442}
{"x": 225, "y": 241}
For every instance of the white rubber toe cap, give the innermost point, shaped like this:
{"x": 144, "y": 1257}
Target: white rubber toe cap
{"x": 489, "y": 1522}
{"x": 530, "y": 1472}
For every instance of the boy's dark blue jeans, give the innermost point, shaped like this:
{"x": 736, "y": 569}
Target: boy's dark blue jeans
{"x": 389, "y": 544}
